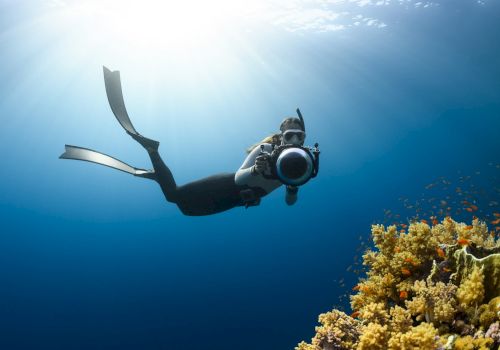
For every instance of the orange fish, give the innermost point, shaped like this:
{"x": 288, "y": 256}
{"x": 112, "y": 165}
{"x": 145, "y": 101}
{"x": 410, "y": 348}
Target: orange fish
{"x": 423, "y": 221}
{"x": 474, "y": 207}
{"x": 397, "y": 249}
{"x": 434, "y": 222}
{"x": 496, "y": 222}
{"x": 497, "y": 215}
{"x": 404, "y": 225}
{"x": 365, "y": 289}
{"x": 355, "y": 314}
{"x": 409, "y": 260}
{"x": 441, "y": 252}
{"x": 463, "y": 241}
{"x": 469, "y": 210}
{"x": 445, "y": 269}
{"x": 449, "y": 219}
{"x": 356, "y": 287}
{"x": 402, "y": 231}
{"x": 405, "y": 272}
{"x": 469, "y": 227}
{"x": 403, "y": 294}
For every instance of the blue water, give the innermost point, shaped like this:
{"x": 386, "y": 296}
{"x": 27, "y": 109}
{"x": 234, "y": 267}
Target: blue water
{"x": 92, "y": 258}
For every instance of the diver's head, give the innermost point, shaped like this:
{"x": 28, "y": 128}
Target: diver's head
{"x": 292, "y": 131}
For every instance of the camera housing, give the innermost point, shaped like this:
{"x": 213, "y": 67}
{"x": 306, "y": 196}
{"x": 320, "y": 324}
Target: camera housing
{"x": 293, "y": 165}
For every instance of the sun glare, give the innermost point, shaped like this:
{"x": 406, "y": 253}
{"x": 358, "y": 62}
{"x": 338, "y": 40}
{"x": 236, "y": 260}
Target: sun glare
{"x": 155, "y": 23}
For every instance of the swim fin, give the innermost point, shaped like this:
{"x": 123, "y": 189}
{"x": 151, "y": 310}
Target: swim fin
{"x": 115, "y": 99}
{"x": 85, "y": 154}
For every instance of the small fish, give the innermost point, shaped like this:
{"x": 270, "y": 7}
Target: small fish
{"x": 469, "y": 209}
{"x": 403, "y": 294}
{"x": 463, "y": 241}
{"x": 497, "y": 215}
{"x": 423, "y": 221}
{"x": 434, "y": 222}
{"x": 410, "y": 260}
{"x": 445, "y": 269}
{"x": 449, "y": 219}
{"x": 405, "y": 272}
{"x": 469, "y": 227}
{"x": 402, "y": 231}
{"x": 496, "y": 222}
{"x": 441, "y": 252}
{"x": 356, "y": 287}
{"x": 397, "y": 249}
{"x": 404, "y": 225}
{"x": 474, "y": 207}
{"x": 355, "y": 314}
{"x": 366, "y": 289}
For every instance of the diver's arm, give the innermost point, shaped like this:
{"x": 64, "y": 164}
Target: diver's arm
{"x": 246, "y": 174}
{"x": 291, "y": 194}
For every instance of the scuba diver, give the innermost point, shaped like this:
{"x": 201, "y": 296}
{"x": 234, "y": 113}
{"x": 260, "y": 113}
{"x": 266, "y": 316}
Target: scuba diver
{"x": 280, "y": 159}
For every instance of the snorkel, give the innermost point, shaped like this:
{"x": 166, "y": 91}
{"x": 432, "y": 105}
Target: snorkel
{"x": 292, "y": 164}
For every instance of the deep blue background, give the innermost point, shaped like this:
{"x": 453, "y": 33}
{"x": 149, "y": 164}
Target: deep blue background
{"x": 93, "y": 258}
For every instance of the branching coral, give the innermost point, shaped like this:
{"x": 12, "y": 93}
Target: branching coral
{"x": 423, "y": 289}
{"x": 470, "y": 294}
{"x": 337, "y": 331}
{"x": 374, "y": 312}
{"x": 434, "y": 303}
{"x": 374, "y": 337}
{"x": 490, "y": 312}
{"x": 470, "y": 343}
{"x": 423, "y": 336}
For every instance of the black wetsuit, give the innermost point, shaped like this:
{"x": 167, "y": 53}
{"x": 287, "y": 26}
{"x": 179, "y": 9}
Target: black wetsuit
{"x": 206, "y": 196}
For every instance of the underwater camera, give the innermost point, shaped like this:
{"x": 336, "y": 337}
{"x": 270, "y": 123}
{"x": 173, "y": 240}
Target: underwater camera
{"x": 293, "y": 165}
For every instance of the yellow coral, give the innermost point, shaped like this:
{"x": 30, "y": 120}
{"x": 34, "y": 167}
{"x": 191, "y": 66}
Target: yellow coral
{"x": 374, "y": 312}
{"x": 374, "y": 337}
{"x": 471, "y": 290}
{"x": 489, "y": 313}
{"x": 469, "y": 343}
{"x": 304, "y": 346}
{"x": 477, "y": 233}
{"x": 337, "y": 329}
{"x": 423, "y": 336}
{"x": 433, "y": 302}
{"x": 400, "y": 320}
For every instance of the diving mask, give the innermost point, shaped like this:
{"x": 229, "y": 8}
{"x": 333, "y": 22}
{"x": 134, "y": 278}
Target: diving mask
{"x": 289, "y": 134}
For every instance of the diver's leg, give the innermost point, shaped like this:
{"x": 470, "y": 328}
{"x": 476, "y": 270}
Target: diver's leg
{"x": 163, "y": 176}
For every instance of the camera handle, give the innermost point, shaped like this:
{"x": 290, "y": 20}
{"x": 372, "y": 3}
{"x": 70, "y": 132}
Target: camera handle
{"x": 262, "y": 152}
{"x": 316, "y": 153}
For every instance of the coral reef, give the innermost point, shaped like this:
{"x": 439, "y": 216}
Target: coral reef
{"x": 430, "y": 287}
{"x": 338, "y": 331}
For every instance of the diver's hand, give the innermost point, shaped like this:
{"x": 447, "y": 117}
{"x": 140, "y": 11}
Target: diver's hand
{"x": 291, "y": 195}
{"x": 261, "y": 165}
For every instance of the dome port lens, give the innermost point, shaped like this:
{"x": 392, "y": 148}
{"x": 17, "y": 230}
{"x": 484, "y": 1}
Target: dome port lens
{"x": 294, "y": 166}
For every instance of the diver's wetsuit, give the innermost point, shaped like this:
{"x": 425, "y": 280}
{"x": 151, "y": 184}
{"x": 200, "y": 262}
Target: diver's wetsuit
{"x": 215, "y": 193}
